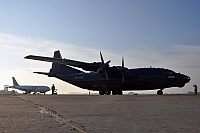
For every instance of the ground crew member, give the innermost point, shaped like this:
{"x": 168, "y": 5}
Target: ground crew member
{"x": 53, "y": 89}
{"x": 195, "y": 89}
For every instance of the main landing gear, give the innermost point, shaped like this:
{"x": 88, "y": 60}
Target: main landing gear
{"x": 159, "y": 92}
{"x": 108, "y": 92}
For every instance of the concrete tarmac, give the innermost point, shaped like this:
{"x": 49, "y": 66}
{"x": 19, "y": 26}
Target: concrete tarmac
{"x": 100, "y": 114}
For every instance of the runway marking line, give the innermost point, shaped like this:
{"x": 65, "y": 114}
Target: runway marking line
{"x": 55, "y": 115}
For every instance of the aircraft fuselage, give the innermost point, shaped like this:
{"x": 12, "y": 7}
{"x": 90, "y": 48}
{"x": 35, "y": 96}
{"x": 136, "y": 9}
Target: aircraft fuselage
{"x": 134, "y": 79}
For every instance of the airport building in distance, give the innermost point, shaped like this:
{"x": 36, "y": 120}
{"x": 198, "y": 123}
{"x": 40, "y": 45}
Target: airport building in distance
{"x": 6, "y": 91}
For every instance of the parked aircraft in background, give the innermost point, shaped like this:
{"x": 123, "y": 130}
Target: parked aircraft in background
{"x": 29, "y": 88}
{"x": 106, "y": 79}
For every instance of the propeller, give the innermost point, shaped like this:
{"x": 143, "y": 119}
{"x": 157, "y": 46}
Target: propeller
{"x": 103, "y": 66}
{"x": 122, "y": 69}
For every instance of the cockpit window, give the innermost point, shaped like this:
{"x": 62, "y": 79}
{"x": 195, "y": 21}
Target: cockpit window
{"x": 168, "y": 72}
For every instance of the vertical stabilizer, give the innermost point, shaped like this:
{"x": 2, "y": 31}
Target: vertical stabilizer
{"x": 57, "y": 55}
{"x": 15, "y": 82}
{"x": 58, "y": 68}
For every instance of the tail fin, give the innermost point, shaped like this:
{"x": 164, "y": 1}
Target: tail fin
{"x": 15, "y": 82}
{"x": 60, "y": 68}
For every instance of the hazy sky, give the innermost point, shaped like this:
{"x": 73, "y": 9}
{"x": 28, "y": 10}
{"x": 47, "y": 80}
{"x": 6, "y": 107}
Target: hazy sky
{"x": 158, "y": 33}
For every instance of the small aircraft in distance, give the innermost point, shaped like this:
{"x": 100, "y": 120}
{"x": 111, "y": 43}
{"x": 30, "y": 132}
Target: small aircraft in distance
{"x": 115, "y": 79}
{"x": 29, "y": 88}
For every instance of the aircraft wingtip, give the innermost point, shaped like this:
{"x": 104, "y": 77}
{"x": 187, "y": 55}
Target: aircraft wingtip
{"x": 27, "y": 57}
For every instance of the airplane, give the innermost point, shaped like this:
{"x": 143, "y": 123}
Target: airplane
{"x": 29, "y": 88}
{"x": 106, "y": 79}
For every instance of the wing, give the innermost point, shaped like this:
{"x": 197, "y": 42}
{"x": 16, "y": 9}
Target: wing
{"x": 84, "y": 65}
{"x": 74, "y": 63}
{"x": 61, "y": 61}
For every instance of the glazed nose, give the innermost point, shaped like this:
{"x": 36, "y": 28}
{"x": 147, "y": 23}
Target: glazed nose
{"x": 187, "y": 78}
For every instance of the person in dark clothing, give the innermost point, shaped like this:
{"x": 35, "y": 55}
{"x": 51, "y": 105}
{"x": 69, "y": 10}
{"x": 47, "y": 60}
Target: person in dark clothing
{"x": 195, "y": 89}
{"x": 53, "y": 89}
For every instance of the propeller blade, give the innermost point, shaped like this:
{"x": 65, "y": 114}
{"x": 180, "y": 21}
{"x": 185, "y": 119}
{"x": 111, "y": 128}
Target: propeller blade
{"x": 123, "y": 77}
{"x": 103, "y": 66}
{"x": 123, "y": 69}
{"x": 101, "y": 58}
{"x": 122, "y": 62}
{"x": 106, "y": 75}
{"x": 108, "y": 62}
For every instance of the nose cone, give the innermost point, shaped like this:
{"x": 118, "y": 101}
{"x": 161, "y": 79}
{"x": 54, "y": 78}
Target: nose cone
{"x": 186, "y": 78}
{"x": 47, "y": 89}
{"x": 181, "y": 80}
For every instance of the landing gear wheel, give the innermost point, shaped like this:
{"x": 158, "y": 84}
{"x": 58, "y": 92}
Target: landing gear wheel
{"x": 107, "y": 92}
{"x": 119, "y": 92}
{"x": 114, "y": 92}
{"x": 159, "y": 92}
{"x": 101, "y": 92}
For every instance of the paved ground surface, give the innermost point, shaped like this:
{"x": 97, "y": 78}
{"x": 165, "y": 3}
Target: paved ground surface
{"x": 117, "y": 114}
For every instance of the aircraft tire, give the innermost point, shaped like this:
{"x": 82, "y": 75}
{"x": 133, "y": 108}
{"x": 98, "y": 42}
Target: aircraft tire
{"x": 114, "y": 92}
{"x": 101, "y": 92}
{"x": 119, "y": 92}
{"x": 159, "y": 92}
{"x": 107, "y": 92}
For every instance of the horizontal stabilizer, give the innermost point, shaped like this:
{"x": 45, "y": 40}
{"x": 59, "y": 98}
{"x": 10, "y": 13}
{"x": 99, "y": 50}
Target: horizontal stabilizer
{"x": 44, "y": 73}
{"x": 48, "y": 74}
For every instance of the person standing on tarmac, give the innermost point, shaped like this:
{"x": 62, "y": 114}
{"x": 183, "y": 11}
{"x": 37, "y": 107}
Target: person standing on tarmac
{"x": 195, "y": 89}
{"x": 53, "y": 89}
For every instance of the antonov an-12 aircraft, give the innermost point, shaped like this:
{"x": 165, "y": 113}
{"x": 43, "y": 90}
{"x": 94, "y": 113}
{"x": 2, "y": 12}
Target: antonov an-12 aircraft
{"x": 29, "y": 88}
{"x": 106, "y": 79}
